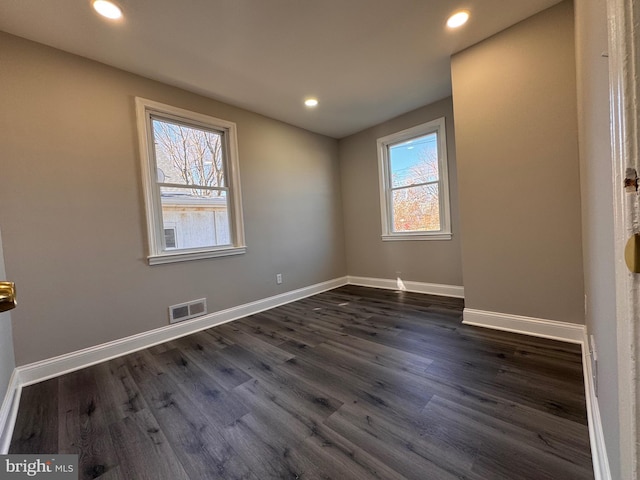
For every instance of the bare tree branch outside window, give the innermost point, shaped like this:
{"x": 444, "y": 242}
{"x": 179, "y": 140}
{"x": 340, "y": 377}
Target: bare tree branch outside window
{"x": 417, "y": 207}
{"x": 190, "y": 156}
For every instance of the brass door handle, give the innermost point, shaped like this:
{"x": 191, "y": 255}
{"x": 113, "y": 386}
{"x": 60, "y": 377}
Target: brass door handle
{"x": 632, "y": 253}
{"x": 7, "y": 296}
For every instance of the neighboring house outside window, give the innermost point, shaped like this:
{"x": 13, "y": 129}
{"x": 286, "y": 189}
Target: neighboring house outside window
{"x": 191, "y": 183}
{"x": 414, "y": 185}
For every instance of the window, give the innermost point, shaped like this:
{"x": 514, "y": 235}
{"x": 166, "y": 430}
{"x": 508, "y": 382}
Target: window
{"x": 191, "y": 184}
{"x": 414, "y": 186}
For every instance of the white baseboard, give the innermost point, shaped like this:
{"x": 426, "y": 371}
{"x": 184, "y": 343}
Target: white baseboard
{"x": 53, "y": 367}
{"x": 9, "y": 411}
{"x": 567, "y": 332}
{"x": 599, "y": 456}
{"x": 537, "y": 327}
{"x": 409, "y": 286}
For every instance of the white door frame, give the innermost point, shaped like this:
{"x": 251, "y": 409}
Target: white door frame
{"x": 8, "y": 396}
{"x": 624, "y": 46}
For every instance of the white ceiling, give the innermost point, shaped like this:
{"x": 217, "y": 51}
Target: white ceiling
{"x": 365, "y": 60}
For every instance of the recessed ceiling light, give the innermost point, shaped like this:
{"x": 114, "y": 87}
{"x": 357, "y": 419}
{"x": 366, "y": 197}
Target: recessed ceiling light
{"x": 107, "y": 9}
{"x": 311, "y": 102}
{"x": 458, "y": 19}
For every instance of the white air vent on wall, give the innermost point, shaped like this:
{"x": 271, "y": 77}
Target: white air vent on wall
{"x": 185, "y": 311}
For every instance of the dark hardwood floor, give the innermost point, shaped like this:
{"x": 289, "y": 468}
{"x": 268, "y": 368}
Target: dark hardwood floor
{"x": 355, "y": 383}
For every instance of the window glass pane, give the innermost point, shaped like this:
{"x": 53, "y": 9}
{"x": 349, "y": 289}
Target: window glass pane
{"x": 200, "y": 218}
{"x": 416, "y": 209}
{"x": 414, "y": 161}
{"x": 187, "y": 155}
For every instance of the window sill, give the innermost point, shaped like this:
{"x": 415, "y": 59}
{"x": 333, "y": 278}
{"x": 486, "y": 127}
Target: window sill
{"x": 187, "y": 256}
{"x": 417, "y": 236}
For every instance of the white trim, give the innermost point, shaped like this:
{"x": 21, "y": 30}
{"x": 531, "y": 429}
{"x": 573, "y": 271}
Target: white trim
{"x": 420, "y": 236}
{"x": 56, "y": 366}
{"x": 194, "y": 202}
{"x": 9, "y": 411}
{"x": 536, "y": 327}
{"x": 188, "y": 255}
{"x": 566, "y": 332}
{"x": 409, "y": 286}
{"x": 599, "y": 457}
{"x": 53, "y": 367}
{"x": 624, "y": 40}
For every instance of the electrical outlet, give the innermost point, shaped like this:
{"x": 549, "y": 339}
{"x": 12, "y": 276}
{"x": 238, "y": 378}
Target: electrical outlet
{"x": 278, "y": 278}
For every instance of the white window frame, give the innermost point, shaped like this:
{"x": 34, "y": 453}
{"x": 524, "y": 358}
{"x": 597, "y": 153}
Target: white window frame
{"x": 384, "y": 169}
{"x": 145, "y": 109}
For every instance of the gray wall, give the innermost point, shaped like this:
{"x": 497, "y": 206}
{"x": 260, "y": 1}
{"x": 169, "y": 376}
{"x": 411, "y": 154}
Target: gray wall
{"x": 7, "y": 362}
{"x": 432, "y": 261}
{"x": 72, "y": 206}
{"x": 597, "y": 210}
{"x": 519, "y": 182}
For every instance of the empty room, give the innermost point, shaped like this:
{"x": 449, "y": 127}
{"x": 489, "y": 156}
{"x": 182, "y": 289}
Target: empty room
{"x": 363, "y": 239}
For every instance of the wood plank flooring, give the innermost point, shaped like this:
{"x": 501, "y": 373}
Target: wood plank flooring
{"x": 355, "y": 383}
